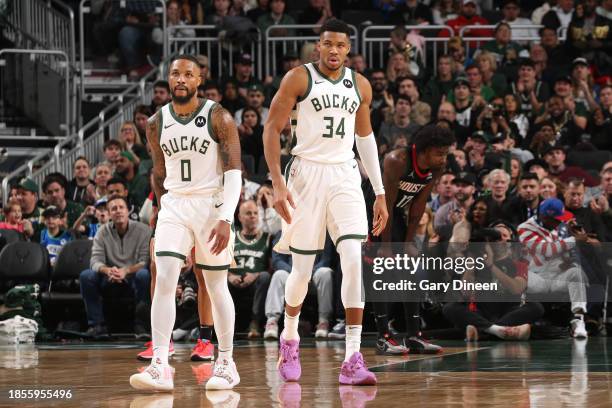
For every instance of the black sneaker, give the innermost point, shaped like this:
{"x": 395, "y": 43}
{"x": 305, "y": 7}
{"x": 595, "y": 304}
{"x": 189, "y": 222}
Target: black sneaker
{"x": 338, "y": 331}
{"x": 98, "y": 332}
{"x": 418, "y": 345}
{"x": 387, "y": 345}
{"x": 392, "y": 330}
{"x": 141, "y": 333}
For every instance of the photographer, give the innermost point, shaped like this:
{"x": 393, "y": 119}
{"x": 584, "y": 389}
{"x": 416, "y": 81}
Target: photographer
{"x": 507, "y": 320}
{"x": 552, "y": 268}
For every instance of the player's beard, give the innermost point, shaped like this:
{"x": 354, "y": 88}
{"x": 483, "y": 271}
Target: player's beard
{"x": 182, "y": 100}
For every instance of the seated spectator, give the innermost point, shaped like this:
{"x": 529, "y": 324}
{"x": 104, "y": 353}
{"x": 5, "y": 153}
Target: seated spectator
{"x": 467, "y": 109}
{"x": 579, "y": 111}
{"x": 232, "y": 100}
{"x": 583, "y": 86}
{"x": 92, "y": 219}
{"x": 269, "y": 220}
{"x": 491, "y": 78}
{"x": 263, "y": 7}
{"x": 357, "y": 63}
{"x": 13, "y": 219}
{"x": 212, "y": 91}
{"x": 440, "y": 85}
{"x": 468, "y": 17}
{"x": 119, "y": 187}
{"x": 250, "y": 275}
{"x": 161, "y": 95}
{"x": 525, "y": 204}
{"x": 134, "y": 35}
{"x": 244, "y": 77}
{"x": 55, "y": 234}
{"x": 411, "y": 12}
{"x": 420, "y": 112}
{"x": 502, "y": 46}
{"x": 456, "y": 49}
{"x": 220, "y": 9}
{"x": 561, "y": 119}
{"x": 558, "y": 57}
{"x": 250, "y": 131}
{"x": 27, "y": 195}
{"x": 555, "y": 157}
{"x": 549, "y": 188}
{"x": 450, "y": 213}
{"x": 140, "y": 118}
{"x": 397, "y": 67}
{"x": 513, "y": 115}
{"x": 81, "y": 189}
{"x": 137, "y": 184}
{"x": 255, "y": 100}
{"x": 552, "y": 267}
{"x": 444, "y": 10}
{"x": 130, "y": 138}
{"x": 511, "y": 10}
{"x": 54, "y": 188}
{"x": 102, "y": 175}
{"x": 205, "y": 71}
{"x": 600, "y": 127}
{"x": 119, "y": 256}
{"x": 276, "y": 16}
{"x": 560, "y": 15}
{"x": 400, "y": 128}
{"x": 112, "y": 149}
{"x": 498, "y": 181}
{"x": 289, "y": 61}
{"x": 504, "y": 320}
{"x": 317, "y": 13}
{"x": 445, "y": 192}
{"x": 322, "y": 282}
{"x": 173, "y": 19}
{"x": 531, "y": 92}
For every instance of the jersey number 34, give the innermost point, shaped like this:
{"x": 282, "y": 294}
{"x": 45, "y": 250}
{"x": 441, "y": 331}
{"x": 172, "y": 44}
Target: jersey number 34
{"x": 331, "y": 130}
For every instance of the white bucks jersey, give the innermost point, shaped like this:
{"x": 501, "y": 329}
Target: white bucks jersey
{"x": 324, "y": 119}
{"x": 190, "y": 151}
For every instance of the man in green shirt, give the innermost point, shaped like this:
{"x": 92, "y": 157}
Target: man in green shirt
{"x": 252, "y": 253}
{"x": 137, "y": 184}
{"x": 477, "y": 88}
{"x": 276, "y": 16}
{"x": 54, "y": 187}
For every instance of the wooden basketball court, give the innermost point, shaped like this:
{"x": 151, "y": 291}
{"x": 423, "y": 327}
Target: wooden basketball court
{"x": 553, "y": 373}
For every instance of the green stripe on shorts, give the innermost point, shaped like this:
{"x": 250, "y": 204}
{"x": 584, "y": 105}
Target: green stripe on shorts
{"x": 213, "y": 267}
{"x": 305, "y": 251}
{"x": 172, "y": 254}
{"x": 350, "y": 236}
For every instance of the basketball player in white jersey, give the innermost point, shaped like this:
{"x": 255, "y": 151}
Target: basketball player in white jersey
{"x": 197, "y": 180}
{"x": 323, "y": 187}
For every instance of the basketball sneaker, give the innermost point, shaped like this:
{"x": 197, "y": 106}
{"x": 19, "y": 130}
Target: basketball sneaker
{"x": 290, "y": 395}
{"x": 254, "y": 330}
{"x": 338, "y": 331}
{"x": 356, "y": 397}
{"x": 202, "y": 372}
{"x": 204, "y": 350}
{"x": 223, "y": 398}
{"x": 225, "y": 376}
{"x": 289, "y": 367}
{"x": 147, "y": 355}
{"x": 471, "y": 333}
{"x": 418, "y": 345}
{"x": 322, "y": 330}
{"x": 271, "y": 331}
{"x": 578, "y": 329}
{"x": 521, "y": 332}
{"x": 355, "y": 372}
{"x": 153, "y": 401}
{"x": 156, "y": 377}
{"x": 387, "y": 345}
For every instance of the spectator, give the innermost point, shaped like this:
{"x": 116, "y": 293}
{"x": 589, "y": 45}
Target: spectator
{"x": 513, "y": 115}
{"x": 81, "y": 189}
{"x": 456, "y": 50}
{"x": 583, "y": 84}
{"x": 212, "y": 92}
{"x": 119, "y": 187}
{"x": 467, "y": 110}
{"x": 133, "y": 36}
{"x": 112, "y": 149}
{"x": 205, "y": 73}
{"x": 599, "y": 200}
{"x": 317, "y": 12}
{"x": 255, "y": 100}
{"x": 456, "y": 209}
{"x": 251, "y": 134}
{"x": 560, "y": 15}
{"x": 538, "y": 55}
{"x": 555, "y": 157}
{"x": 54, "y": 188}
{"x": 380, "y": 97}
{"x": 468, "y": 17}
{"x": 252, "y": 256}
{"x": 397, "y": 66}
{"x": 92, "y": 219}
{"x": 525, "y": 205}
{"x": 537, "y": 166}
{"x": 399, "y": 130}
{"x": 269, "y": 220}
{"x": 249, "y": 187}
{"x": 140, "y": 119}
{"x": 13, "y": 219}
{"x": 531, "y": 92}
{"x": 173, "y": 19}
{"x": 603, "y": 190}
{"x": 571, "y": 108}
{"x": 129, "y": 136}
{"x": 548, "y": 188}
{"x": 54, "y": 236}
{"x": 412, "y": 12}
{"x": 120, "y": 255}
{"x": 276, "y": 16}
{"x": 511, "y": 10}
{"x": 244, "y": 78}
{"x": 502, "y": 46}
{"x": 220, "y": 9}
{"x": 551, "y": 267}
{"x": 237, "y": 8}
{"x": 516, "y": 174}
{"x": 289, "y": 61}
{"x": 137, "y": 184}
{"x": 561, "y": 119}
{"x": 440, "y": 85}
{"x": 27, "y": 194}
{"x": 540, "y": 12}
{"x": 161, "y": 94}
{"x": 600, "y": 127}
{"x": 491, "y": 78}
{"x": 421, "y": 111}
{"x": 444, "y": 10}
{"x": 102, "y": 175}
{"x": 263, "y": 7}
{"x": 460, "y": 159}
{"x": 445, "y": 191}
{"x": 590, "y": 36}
{"x": 322, "y": 282}
{"x": 558, "y": 56}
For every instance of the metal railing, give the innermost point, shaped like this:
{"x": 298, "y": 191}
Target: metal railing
{"x": 294, "y": 43}
{"x": 374, "y": 41}
{"x": 221, "y": 53}
{"x": 561, "y": 33}
{"x": 85, "y": 8}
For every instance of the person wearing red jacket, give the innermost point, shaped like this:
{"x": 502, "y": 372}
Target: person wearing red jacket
{"x": 469, "y": 16}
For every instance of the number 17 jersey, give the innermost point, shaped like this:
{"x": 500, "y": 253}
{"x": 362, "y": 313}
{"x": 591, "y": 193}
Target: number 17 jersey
{"x": 324, "y": 118}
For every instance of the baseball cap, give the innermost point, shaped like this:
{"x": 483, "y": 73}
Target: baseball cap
{"x": 244, "y": 59}
{"x": 485, "y": 137}
{"x": 564, "y": 78}
{"x": 128, "y": 155}
{"x": 101, "y": 202}
{"x": 580, "y": 61}
{"x": 534, "y": 162}
{"x": 257, "y": 88}
{"x": 52, "y": 211}
{"x": 549, "y": 148}
{"x": 553, "y": 207}
{"x": 28, "y": 185}
{"x": 461, "y": 80}
{"x": 526, "y": 62}
{"x": 465, "y": 177}
{"x": 466, "y": 2}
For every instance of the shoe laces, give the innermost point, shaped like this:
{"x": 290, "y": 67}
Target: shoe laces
{"x": 356, "y": 364}
{"x": 286, "y": 352}
{"x": 222, "y": 370}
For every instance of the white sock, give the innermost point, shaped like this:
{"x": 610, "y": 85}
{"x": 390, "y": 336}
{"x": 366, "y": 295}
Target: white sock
{"x": 163, "y": 307}
{"x": 290, "y": 332}
{"x": 227, "y": 354}
{"x": 353, "y": 340}
{"x": 223, "y": 310}
{"x": 161, "y": 353}
{"x": 495, "y": 330}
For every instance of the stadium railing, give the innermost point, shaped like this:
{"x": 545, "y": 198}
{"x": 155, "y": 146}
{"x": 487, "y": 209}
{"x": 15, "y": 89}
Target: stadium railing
{"x": 479, "y": 41}
{"x": 375, "y": 40}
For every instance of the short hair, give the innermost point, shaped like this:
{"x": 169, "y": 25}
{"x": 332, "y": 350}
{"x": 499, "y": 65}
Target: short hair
{"x": 541, "y": 30}
{"x": 499, "y": 172}
{"x": 117, "y": 197}
{"x": 402, "y": 98}
{"x": 82, "y": 158}
{"x": 500, "y": 25}
{"x": 433, "y": 136}
{"x": 58, "y": 178}
{"x": 211, "y": 85}
{"x": 335, "y": 25}
{"x": 378, "y": 71}
{"x": 399, "y": 30}
{"x": 117, "y": 180}
{"x": 112, "y": 142}
{"x": 605, "y": 86}
{"x": 575, "y": 182}
{"x": 529, "y": 176}
{"x": 162, "y": 84}
{"x": 143, "y": 110}
{"x": 187, "y": 57}
{"x": 472, "y": 66}
{"x": 399, "y": 80}
{"x": 445, "y": 56}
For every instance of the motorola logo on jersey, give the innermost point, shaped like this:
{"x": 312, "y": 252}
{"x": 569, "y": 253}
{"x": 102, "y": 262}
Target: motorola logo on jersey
{"x": 348, "y": 83}
{"x": 200, "y": 121}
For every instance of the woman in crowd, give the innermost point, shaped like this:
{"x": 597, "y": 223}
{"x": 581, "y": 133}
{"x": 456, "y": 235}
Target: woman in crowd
{"x": 81, "y": 189}
{"x": 491, "y": 77}
{"x": 103, "y": 173}
{"x": 251, "y": 134}
{"x": 131, "y": 141}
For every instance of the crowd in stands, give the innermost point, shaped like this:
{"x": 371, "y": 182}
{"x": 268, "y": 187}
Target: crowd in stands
{"x": 533, "y": 125}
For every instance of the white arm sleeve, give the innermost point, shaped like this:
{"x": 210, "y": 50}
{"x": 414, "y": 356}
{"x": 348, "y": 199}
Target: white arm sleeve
{"x": 232, "y": 186}
{"x": 366, "y": 146}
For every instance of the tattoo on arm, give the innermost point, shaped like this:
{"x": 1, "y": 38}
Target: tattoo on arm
{"x": 159, "y": 162}
{"x": 227, "y": 133}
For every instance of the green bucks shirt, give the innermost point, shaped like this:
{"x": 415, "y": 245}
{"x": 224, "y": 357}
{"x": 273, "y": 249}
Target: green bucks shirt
{"x": 251, "y": 254}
